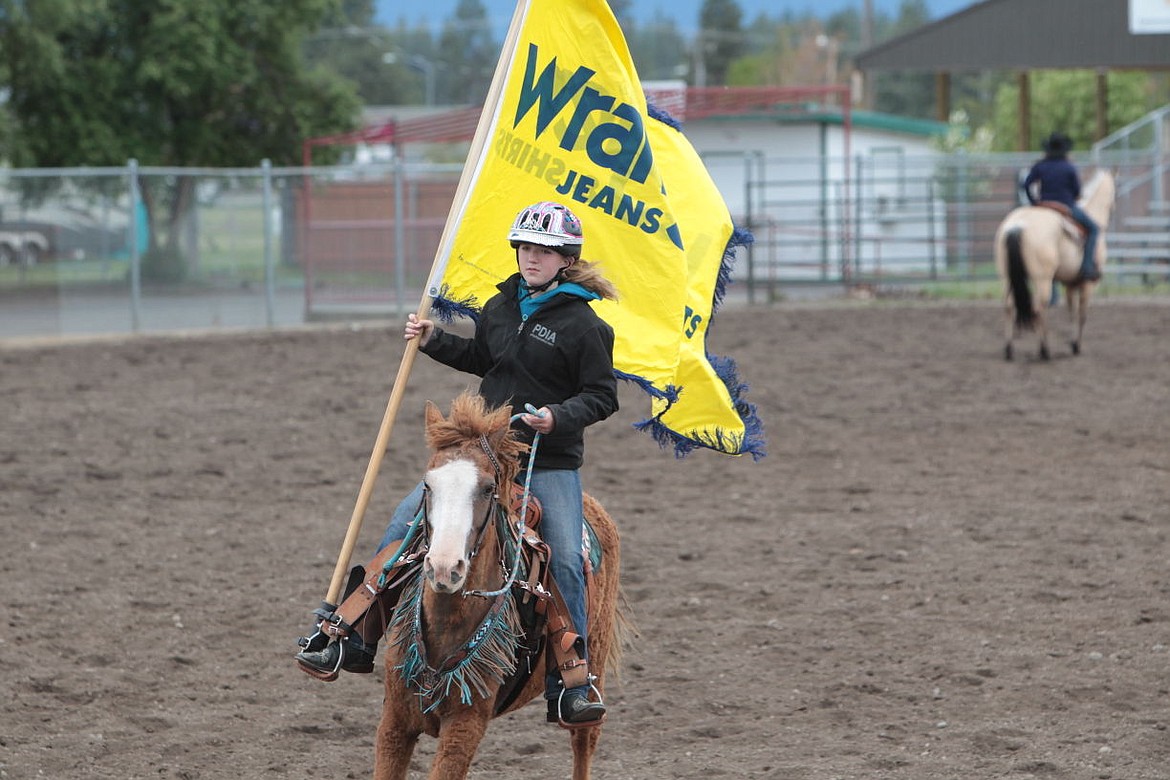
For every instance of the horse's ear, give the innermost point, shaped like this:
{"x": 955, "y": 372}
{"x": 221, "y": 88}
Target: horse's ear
{"x": 501, "y": 421}
{"x": 496, "y": 438}
{"x": 432, "y": 415}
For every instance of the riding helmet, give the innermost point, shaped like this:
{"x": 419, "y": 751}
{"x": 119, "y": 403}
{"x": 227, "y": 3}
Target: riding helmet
{"x": 548, "y": 224}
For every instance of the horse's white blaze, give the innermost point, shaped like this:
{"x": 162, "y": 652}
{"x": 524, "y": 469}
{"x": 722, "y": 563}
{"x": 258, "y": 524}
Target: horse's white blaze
{"x": 453, "y": 486}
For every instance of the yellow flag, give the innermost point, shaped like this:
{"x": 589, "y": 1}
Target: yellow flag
{"x": 567, "y": 121}
{"x": 570, "y": 127}
{"x": 710, "y": 410}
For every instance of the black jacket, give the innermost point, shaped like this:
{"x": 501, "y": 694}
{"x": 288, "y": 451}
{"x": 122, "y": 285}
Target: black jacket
{"x": 1058, "y": 181}
{"x": 561, "y": 357}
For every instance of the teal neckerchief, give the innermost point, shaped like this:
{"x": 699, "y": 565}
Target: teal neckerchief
{"x": 529, "y": 303}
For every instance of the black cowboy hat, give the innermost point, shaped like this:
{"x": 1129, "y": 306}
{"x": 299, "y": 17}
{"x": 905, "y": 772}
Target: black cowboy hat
{"x": 1057, "y": 143}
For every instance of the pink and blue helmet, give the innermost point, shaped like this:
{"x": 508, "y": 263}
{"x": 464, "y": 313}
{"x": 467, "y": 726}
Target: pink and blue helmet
{"x": 548, "y": 224}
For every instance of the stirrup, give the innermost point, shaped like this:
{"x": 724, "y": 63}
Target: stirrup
{"x": 323, "y": 674}
{"x": 318, "y": 639}
{"x": 584, "y": 724}
{"x": 313, "y": 642}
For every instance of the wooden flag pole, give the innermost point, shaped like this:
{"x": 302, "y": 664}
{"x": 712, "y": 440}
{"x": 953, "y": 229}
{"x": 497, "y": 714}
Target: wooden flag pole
{"x": 470, "y": 171}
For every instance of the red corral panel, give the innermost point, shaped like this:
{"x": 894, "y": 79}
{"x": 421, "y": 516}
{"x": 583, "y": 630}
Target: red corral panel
{"x": 348, "y": 238}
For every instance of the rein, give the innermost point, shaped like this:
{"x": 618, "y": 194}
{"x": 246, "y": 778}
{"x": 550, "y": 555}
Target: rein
{"x": 507, "y": 586}
{"x": 490, "y": 652}
{"x": 488, "y": 655}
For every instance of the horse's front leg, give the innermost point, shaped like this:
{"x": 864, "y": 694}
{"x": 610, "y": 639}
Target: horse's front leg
{"x": 459, "y": 738}
{"x": 393, "y": 746}
{"x": 584, "y": 743}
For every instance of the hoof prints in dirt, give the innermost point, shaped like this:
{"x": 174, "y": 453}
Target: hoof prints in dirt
{"x": 949, "y": 565}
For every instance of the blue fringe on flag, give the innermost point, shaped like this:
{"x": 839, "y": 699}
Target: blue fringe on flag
{"x": 669, "y": 394}
{"x": 751, "y": 442}
{"x": 663, "y": 116}
{"x": 739, "y": 237}
{"x": 447, "y": 310}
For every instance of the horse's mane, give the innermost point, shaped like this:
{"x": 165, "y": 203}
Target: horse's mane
{"x": 1091, "y": 187}
{"x": 469, "y": 419}
{"x": 1096, "y": 181}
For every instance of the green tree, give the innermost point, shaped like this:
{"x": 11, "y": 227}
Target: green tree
{"x": 1065, "y": 100}
{"x": 169, "y": 83}
{"x": 973, "y": 94}
{"x": 621, "y": 11}
{"x": 387, "y": 65}
{"x": 379, "y": 62}
{"x": 905, "y": 93}
{"x": 467, "y": 54}
{"x": 658, "y": 48}
{"x": 348, "y": 13}
{"x": 759, "y": 63}
{"x": 720, "y": 38}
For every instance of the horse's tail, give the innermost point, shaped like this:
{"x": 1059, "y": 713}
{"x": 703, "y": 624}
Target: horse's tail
{"x": 625, "y": 632}
{"x": 1017, "y": 276}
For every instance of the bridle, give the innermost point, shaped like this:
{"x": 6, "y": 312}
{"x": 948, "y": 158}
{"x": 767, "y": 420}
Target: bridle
{"x": 493, "y": 644}
{"x": 510, "y": 581}
{"x": 492, "y": 509}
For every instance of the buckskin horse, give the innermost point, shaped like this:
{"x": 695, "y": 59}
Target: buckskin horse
{"x": 459, "y": 644}
{"x": 1035, "y": 248}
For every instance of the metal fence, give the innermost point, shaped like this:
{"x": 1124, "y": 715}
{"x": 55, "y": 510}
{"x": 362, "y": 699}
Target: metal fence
{"x": 887, "y": 219}
{"x": 153, "y": 249}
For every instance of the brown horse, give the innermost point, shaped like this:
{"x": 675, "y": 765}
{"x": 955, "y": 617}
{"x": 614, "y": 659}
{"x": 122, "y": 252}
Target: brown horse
{"x": 445, "y": 669}
{"x": 1033, "y": 248}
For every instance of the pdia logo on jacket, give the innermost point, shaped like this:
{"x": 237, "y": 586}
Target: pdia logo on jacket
{"x": 545, "y": 334}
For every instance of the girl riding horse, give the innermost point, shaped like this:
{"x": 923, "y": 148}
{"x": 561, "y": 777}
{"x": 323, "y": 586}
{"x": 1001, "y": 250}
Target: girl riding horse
{"x": 538, "y": 343}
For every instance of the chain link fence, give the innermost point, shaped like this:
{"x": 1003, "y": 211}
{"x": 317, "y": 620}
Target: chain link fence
{"x": 139, "y": 249}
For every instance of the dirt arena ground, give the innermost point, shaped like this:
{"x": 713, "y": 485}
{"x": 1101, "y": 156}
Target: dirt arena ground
{"x": 948, "y": 566}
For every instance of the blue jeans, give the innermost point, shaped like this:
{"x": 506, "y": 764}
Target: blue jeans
{"x": 401, "y": 517}
{"x": 1088, "y": 263}
{"x": 561, "y": 526}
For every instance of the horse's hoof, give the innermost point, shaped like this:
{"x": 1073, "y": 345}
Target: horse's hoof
{"x": 1044, "y": 353}
{"x": 1076, "y": 347}
{"x": 1007, "y": 352}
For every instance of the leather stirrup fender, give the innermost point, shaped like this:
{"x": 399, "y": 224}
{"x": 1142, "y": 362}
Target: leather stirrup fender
{"x": 538, "y": 572}
{"x": 566, "y": 645}
{"x": 516, "y": 506}
{"x": 358, "y": 603}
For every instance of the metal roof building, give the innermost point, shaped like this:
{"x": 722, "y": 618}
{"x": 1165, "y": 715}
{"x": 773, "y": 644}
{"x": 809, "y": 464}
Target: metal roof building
{"x": 1027, "y": 35}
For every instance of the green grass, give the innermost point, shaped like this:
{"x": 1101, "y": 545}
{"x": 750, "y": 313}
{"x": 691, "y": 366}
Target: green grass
{"x": 213, "y": 270}
{"x": 63, "y": 272}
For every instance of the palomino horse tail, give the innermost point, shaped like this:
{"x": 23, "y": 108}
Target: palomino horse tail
{"x": 1017, "y": 276}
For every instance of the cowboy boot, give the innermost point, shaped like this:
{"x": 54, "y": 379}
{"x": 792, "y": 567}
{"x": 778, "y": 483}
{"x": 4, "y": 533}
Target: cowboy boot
{"x": 353, "y": 630}
{"x": 574, "y": 709}
{"x": 1089, "y": 271}
{"x": 567, "y": 688}
{"x": 350, "y": 654}
{"x": 317, "y": 639}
